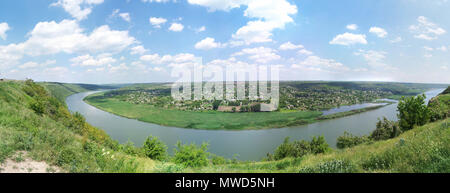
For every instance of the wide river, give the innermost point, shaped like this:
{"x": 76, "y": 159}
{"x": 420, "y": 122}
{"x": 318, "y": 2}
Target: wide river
{"x": 246, "y": 145}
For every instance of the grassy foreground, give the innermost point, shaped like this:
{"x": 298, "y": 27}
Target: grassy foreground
{"x": 203, "y": 120}
{"x": 67, "y": 141}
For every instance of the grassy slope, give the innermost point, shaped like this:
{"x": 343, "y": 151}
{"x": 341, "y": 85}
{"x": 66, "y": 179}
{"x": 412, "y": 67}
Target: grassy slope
{"x": 423, "y": 149}
{"x": 53, "y": 141}
{"x": 203, "y": 120}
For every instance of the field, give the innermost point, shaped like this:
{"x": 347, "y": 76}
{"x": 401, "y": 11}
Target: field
{"x": 203, "y": 120}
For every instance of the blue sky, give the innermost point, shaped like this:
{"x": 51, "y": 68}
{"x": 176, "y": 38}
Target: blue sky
{"x": 117, "y": 41}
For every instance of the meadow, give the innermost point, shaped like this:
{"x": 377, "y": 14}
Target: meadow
{"x": 211, "y": 120}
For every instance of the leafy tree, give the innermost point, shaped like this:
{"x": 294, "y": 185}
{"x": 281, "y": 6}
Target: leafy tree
{"x": 286, "y": 149}
{"x": 191, "y": 155}
{"x": 385, "y": 130}
{"x": 319, "y": 145}
{"x": 412, "y": 111}
{"x": 154, "y": 148}
{"x": 348, "y": 140}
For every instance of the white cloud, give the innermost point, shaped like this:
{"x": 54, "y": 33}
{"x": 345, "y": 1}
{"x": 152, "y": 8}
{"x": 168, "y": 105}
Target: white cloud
{"x": 315, "y": 63}
{"x": 352, "y": 27}
{"x": 157, "y": 21}
{"x": 269, "y": 15}
{"x": 170, "y": 60}
{"x": 259, "y": 54}
{"x": 305, "y": 52}
{"x": 29, "y": 65}
{"x": 207, "y": 44}
{"x": 138, "y": 50}
{"x": 78, "y": 9}
{"x": 125, "y": 16}
{"x": 428, "y": 48}
{"x": 442, "y": 48}
{"x": 347, "y": 39}
{"x": 88, "y": 60}
{"x": 426, "y": 30}
{"x": 176, "y": 27}
{"x": 380, "y": 32}
{"x": 200, "y": 29}
{"x": 4, "y": 27}
{"x": 290, "y": 46}
{"x": 68, "y": 37}
{"x": 396, "y": 40}
{"x": 375, "y": 59}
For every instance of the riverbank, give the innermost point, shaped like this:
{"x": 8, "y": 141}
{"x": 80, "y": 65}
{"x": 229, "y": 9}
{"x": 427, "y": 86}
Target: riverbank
{"x": 213, "y": 120}
{"x": 202, "y": 120}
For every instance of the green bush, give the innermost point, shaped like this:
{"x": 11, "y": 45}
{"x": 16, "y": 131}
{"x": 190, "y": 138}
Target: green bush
{"x": 300, "y": 148}
{"x": 385, "y": 130}
{"x": 154, "y": 148}
{"x": 219, "y": 160}
{"x": 38, "y": 107}
{"x": 191, "y": 155}
{"x": 319, "y": 145}
{"x": 412, "y": 111}
{"x": 348, "y": 140}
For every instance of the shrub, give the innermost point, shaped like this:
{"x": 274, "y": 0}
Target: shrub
{"x": 286, "y": 149}
{"x": 38, "y": 107}
{"x": 191, "y": 155}
{"x": 300, "y": 148}
{"x": 412, "y": 111}
{"x": 218, "y": 160}
{"x": 154, "y": 148}
{"x": 319, "y": 145}
{"x": 385, "y": 130}
{"x": 348, "y": 140}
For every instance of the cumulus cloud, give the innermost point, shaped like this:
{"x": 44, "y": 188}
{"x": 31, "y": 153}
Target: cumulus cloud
{"x": 170, "y": 60}
{"x": 207, "y": 44}
{"x": 290, "y": 46}
{"x": 88, "y": 60}
{"x": 426, "y": 30}
{"x": 259, "y": 54}
{"x": 352, "y": 27}
{"x": 67, "y": 37}
{"x": 79, "y": 9}
{"x": 380, "y": 32}
{"x": 157, "y": 21}
{"x": 315, "y": 63}
{"x": 347, "y": 39}
{"x": 138, "y": 50}
{"x": 269, "y": 15}
{"x": 4, "y": 27}
{"x": 176, "y": 27}
{"x": 29, "y": 65}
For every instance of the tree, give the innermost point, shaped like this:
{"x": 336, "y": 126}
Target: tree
{"x": 191, "y": 155}
{"x": 385, "y": 130}
{"x": 412, "y": 111}
{"x": 154, "y": 148}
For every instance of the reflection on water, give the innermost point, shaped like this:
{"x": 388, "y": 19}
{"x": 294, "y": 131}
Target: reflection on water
{"x": 248, "y": 145}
